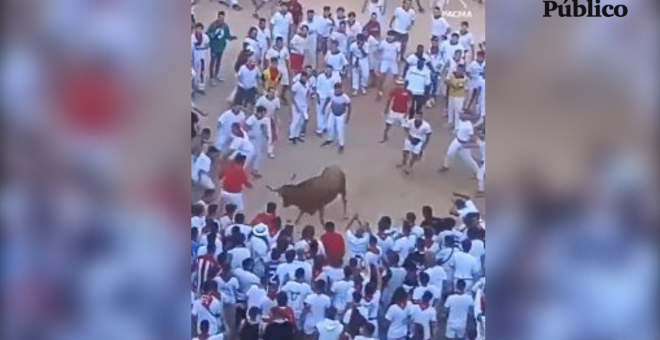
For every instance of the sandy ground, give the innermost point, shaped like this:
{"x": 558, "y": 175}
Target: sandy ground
{"x": 375, "y": 186}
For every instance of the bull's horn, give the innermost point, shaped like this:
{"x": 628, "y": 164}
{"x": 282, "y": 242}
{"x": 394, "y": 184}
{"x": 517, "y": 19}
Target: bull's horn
{"x": 271, "y": 189}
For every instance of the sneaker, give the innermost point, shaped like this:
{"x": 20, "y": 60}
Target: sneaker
{"x": 363, "y": 91}
{"x": 326, "y": 143}
{"x": 213, "y": 83}
{"x": 300, "y": 139}
{"x": 292, "y": 140}
{"x": 219, "y": 79}
{"x": 355, "y": 93}
{"x": 236, "y": 8}
{"x": 443, "y": 169}
{"x": 341, "y": 149}
{"x": 271, "y": 155}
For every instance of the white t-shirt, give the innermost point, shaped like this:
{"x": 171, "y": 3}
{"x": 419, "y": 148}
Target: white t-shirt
{"x": 209, "y": 314}
{"x": 465, "y": 266}
{"x": 354, "y": 30}
{"x": 257, "y": 127}
{"x": 403, "y": 20}
{"x": 357, "y": 245}
{"x": 281, "y": 23}
{"x": 422, "y": 132}
{"x": 403, "y": 246}
{"x": 247, "y": 78}
{"x": 336, "y": 61}
{"x": 228, "y": 118}
{"x": 464, "y": 130}
{"x": 475, "y": 71}
{"x": 285, "y": 272}
{"x": 297, "y": 293}
{"x": 447, "y": 50}
{"x": 398, "y": 318}
{"x": 329, "y": 329}
{"x": 423, "y": 317}
{"x": 439, "y": 27}
{"x": 228, "y": 289}
{"x": 419, "y": 291}
{"x": 241, "y": 145}
{"x": 263, "y": 37}
{"x": 385, "y": 243}
{"x": 282, "y": 56}
{"x": 197, "y": 221}
{"x": 297, "y": 44}
{"x": 437, "y": 276}
{"x": 389, "y": 50}
{"x": 325, "y": 27}
{"x": 202, "y": 164}
{"x": 255, "y": 296}
{"x": 246, "y": 280}
{"x": 300, "y": 93}
{"x": 340, "y": 290}
{"x": 318, "y": 304}
{"x": 325, "y": 85}
{"x": 459, "y": 307}
{"x": 466, "y": 41}
{"x": 253, "y": 45}
{"x": 271, "y": 105}
{"x": 238, "y": 255}
{"x": 339, "y": 104}
{"x": 342, "y": 40}
{"x": 418, "y": 80}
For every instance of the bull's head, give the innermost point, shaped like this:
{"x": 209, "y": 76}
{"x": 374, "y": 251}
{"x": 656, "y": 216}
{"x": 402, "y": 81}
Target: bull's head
{"x": 284, "y": 192}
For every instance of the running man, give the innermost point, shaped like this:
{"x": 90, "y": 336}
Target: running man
{"x": 419, "y": 134}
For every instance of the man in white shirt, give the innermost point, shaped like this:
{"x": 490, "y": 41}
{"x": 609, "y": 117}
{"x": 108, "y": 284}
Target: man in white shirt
{"x": 281, "y": 52}
{"x": 466, "y": 267}
{"x": 475, "y": 71}
{"x": 390, "y": 54}
{"x": 340, "y": 35}
{"x": 449, "y": 47}
{"x": 340, "y": 289}
{"x": 424, "y": 313}
{"x": 405, "y": 243}
{"x": 247, "y": 80}
{"x": 360, "y": 65}
{"x": 246, "y": 278}
{"x": 240, "y": 145}
{"x": 402, "y": 22}
{"x": 281, "y": 23}
{"x": 462, "y": 144}
{"x": 225, "y": 122}
{"x": 314, "y": 25}
{"x": 481, "y": 174}
{"x": 208, "y": 308}
{"x": 300, "y": 92}
{"x": 353, "y": 27}
{"x": 316, "y": 304}
{"x": 201, "y": 167}
{"x": 263, "y": 38}
{"x": 335, "y": 59}
{"x": 201, "y": 45}
{"x": 325, "y": 84}
{"x": 466, "y": 40}
{"x": 340, "y": 112}
{"x": 418, "y": 80}
{"x": 418, "y": 136}
{"x": 458, "y": 307}
{"x": 297, "y": 291}
{"x": 257, "y": 128}
{"x": 398, "y": 317}
{"x": 272, "y": 105}
{"x": 330, "y": 328}
{"x": 440, "y": 28}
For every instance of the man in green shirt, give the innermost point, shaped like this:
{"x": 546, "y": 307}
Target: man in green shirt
{"x": 219, "y": 34}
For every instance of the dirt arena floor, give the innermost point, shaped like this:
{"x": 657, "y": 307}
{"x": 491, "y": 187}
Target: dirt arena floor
{"x": 375, "y": 185}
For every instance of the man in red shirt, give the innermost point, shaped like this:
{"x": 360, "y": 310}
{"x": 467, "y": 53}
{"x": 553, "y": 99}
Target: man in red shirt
{"x": 296, "y": 10}
{"x": 396, "y": 108}
{"x": 268, "y": 218}
{"x": 333, "y": 242}
{"x": 234, "y": 180}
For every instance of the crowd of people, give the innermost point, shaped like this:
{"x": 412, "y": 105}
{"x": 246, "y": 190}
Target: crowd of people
{"x": 256, "y": 279}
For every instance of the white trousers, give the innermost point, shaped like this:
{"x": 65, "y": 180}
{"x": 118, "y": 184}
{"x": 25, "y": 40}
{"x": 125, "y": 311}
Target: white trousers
{"x": 360, "y": 74}
{"x": 201, "y": 66}
{"x": 321, "y": 116}
{"x": 456, "y": 150}
{"x": 310, "y": 56}
{"x": 234, "y": 198}
{"x": 297, "y": 121}
{"x": 222, "y": 140}
{"x": 481, "y": 176}
{"x": 257, "y": 154}
{"x": 454, "y": 109}
{"x": 335, "y": 128}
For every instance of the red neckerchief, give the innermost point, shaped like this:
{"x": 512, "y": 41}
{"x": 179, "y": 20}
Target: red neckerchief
{"x": 374, "y": 250}
{"x": 368, "y": 298}
{"x": 199, "y": 38}
{"x": 423, "y": 305}
{"x": 272, "y": 295}
{"x": 316, "y": 272}
{"x": 203, "y": 336}
{"x": 483, "y": 302}
{"x": 383, "y": 235}
{"x": 206, "y": 300}
{"x": 435, "y": 49}
{"x": 358, "y": 287}
{"x": 428, "y": 243}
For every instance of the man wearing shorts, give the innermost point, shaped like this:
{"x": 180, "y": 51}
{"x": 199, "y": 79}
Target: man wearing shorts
{"x": 419, "y": 134}
{"x": 390, "y": 51}
{"x": 396, "y": 108}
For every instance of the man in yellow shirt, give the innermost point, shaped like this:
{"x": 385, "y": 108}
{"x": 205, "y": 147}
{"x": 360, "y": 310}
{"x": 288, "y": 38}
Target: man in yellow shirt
{"x": 456, "y": 92}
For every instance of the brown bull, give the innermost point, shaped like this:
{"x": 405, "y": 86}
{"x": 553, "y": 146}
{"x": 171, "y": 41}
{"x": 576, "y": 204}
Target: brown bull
{"x": 313, "y": 194}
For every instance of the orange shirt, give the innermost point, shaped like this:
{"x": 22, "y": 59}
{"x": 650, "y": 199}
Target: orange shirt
{"x": 235, "y": 179}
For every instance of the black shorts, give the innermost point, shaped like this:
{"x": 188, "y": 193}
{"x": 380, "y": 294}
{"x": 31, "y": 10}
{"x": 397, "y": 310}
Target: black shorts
{"x": 402, "y": 37}
{"x": 245, "y": 97}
